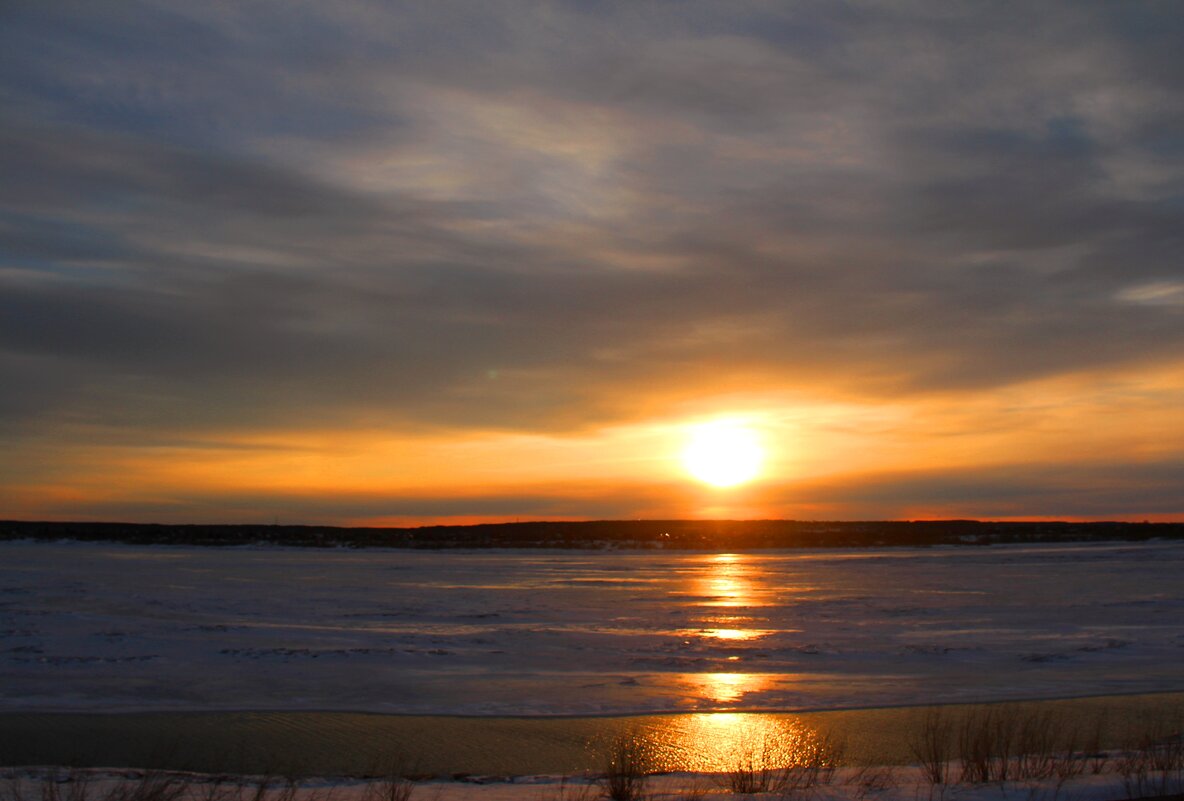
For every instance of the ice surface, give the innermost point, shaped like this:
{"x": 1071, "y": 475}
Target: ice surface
{"x": 118, "y": 627}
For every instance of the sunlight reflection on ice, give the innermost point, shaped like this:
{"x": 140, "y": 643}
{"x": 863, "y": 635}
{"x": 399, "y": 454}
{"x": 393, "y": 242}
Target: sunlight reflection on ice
{"x": 726, "y": 688}
{"x": 728, "y": 583}
{"x": 732, "y": 634}
{"x": 723, "y": 741}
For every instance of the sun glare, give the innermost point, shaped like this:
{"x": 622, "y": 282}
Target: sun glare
{"x": 723, "y": 453}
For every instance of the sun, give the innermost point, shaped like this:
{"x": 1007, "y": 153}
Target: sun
{"x": 723, "y": 453}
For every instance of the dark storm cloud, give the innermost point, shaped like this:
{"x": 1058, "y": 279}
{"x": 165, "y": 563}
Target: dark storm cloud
{"x": 879, "y": 197}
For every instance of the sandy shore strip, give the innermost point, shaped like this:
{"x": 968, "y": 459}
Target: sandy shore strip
{"x": 353, "y": 744}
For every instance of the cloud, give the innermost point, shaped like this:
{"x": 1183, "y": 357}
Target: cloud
{"x": 223, "y": 218}
{"x": 1121, "y": 490}
{"x": 1103, "y": 490}
{"x": 1158, "y": 293}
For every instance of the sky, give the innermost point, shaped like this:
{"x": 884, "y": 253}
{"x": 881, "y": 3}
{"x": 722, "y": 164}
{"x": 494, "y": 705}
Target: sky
{"x": 412, "y": 263}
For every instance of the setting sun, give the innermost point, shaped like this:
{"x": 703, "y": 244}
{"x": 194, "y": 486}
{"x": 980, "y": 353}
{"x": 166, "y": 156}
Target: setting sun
{"x": 723, "y": 453}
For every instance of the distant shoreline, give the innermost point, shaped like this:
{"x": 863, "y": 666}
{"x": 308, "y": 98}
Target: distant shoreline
{"x": 736, "y": 535}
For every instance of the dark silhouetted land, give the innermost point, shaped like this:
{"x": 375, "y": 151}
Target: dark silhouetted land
{"x": 673, "y": 534}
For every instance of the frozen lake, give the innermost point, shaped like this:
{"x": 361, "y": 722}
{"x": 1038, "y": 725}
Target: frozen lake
{"x": 121, "y": 628}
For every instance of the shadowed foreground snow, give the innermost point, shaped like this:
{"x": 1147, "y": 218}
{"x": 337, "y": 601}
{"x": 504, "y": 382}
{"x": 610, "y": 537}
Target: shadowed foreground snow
{"x": 846, "y": 784}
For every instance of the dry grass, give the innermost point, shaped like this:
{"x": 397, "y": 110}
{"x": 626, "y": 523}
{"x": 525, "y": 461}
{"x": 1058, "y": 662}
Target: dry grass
{"x": 698, "y": 791}
{"x": 82, "y": 785}
{"x": 755, "y": 768}
{"x": 392, "y": 788}
{"x": 1154, "y": 764}
{"x": 999, "y": 744}
{"x": 816, "y": 765}
{"x": 871, "y": 780}
{"x": 1005, "y": 743}
{"x": 760, "y": 766}
{"x": 568, "y": 790}
{"x": 931, "y": 745}
{"x": 626, "y": 769}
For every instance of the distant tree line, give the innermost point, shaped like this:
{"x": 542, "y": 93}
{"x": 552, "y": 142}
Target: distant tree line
{"x": 631, "y": 534}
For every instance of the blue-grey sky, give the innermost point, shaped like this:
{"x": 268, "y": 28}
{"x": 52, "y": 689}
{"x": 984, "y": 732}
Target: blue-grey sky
{"x": 409, "y": 262}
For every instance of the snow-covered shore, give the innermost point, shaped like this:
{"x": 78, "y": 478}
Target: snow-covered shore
{"x": 845, "y": 784}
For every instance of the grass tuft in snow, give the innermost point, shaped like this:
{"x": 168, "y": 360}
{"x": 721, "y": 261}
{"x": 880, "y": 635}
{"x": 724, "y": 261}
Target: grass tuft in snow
{"x": 568, "y": 790}
{"x": 760, "y": 765}
{"x": 1002, "y": 743}
{"x": 1154, "y": 766}
{"x": 626, "y": 769}
{"x": 79, "y": 785}
{"x": 931, "y": 745}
